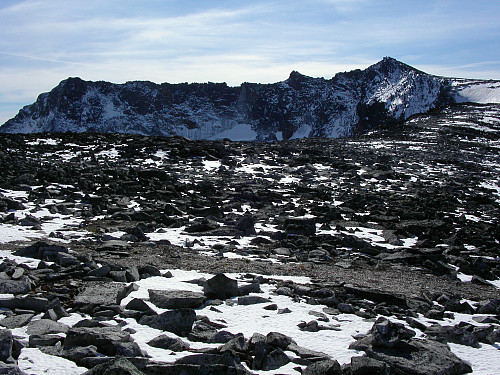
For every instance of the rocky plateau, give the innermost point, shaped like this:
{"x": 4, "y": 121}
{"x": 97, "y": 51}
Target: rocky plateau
{"x": 133, "y": 254}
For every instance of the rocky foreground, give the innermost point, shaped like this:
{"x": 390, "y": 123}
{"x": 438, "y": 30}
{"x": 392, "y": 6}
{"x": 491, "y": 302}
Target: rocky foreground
{"x": 397, "y": 232}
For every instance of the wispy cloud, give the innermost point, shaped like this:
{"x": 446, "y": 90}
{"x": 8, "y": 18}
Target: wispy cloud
{"x": 43, "y": 42}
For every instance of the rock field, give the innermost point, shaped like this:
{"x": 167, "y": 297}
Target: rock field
{"x": 147, "y": 255}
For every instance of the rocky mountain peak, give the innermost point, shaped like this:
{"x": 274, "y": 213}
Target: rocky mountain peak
{"x": 301, "y": 106}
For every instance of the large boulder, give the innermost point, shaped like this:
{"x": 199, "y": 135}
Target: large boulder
{"x": 178, "y": 321}
{"x": 394, "y": 344}
{"x": 102, "y": 293}
{"x": 105, "y": 339}
{"x": 175, "y": 299}
{"x": 220, "y": 287}
{"x": 421, "y": 357}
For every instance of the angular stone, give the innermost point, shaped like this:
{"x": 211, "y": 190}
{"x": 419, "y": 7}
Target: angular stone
{"x": 105, "y": 339}
{"x": 252, "y": 300}
{"x": 326, "y": 367}
{"x": 170, "y": 343}
{"x": 45, "y": 326}
{"x": 220, "y": 287}
{"x": 178, "y": 321}
{"x": 16, "y": 321}
{"x": 274, "y": 360}
{"x": 175, "y": 299}
{"x": 44, "y": 340}
{"x": 421, "y": 357}
{"x": 116, "y": 366}
{"x": 21, "y": 286}
{"x": 6, "y": 342}
{"x": 367, "y": 365}
{"x": 100, "y": 293}
{"x": 279, "y": 340}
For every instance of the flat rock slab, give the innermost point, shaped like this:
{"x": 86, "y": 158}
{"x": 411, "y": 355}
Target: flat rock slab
{"x": 101, "y": 293}
{"x": 16, "y": 321}
{"x": 15, "y": 286}
{"x": 175, "y": 299}
{"x": 45, "y": 326}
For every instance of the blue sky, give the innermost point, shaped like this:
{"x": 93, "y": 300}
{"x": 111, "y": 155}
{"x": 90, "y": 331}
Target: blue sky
{"x": 45, "y": 41}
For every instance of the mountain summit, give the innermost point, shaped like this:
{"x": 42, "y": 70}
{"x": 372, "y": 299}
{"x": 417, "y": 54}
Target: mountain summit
{"x": 301, "y": 106}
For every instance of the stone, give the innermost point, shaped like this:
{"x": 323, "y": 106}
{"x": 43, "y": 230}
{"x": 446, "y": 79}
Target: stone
{"x": 149, "y": 270}
{"x": 246, "y": 289}
{"x": 178, "y": 321}
{"x": 140, "y": 305}
{"x": 45, "y": 326}
{"x": 41, "y": 250}
{"x": 78, "y": 353}
{"x": 44, "y": 340}
{"x": 175, "y": 299}
{"x": 6, "y": 342}
{"x": 220, "y": 287}
{"x": 115, "y": 366}
{"x": 421, "y": 357}
{"x": 170, "y": 343}
{"x": 279, "y": 340}
{"x": 489, "y": 307}
{"x": 252, "y": 300}
{"x": 100, "y": 293}
{"x": 66, "y": 260}
{"x": 202, "y": 331}
{"x": 105, "y": 339}
{"x": 16, "y": 321}
{"x": 238, "y": 344}
{"x": 326, "y": 367}
{"x": 368, "y": 366}
{"x": 21, "y": 286}
{"x": 274, "y": 360}
{"x": 245, "y": 225}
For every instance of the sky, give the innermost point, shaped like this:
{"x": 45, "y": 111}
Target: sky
{"x": 43, "y": 42}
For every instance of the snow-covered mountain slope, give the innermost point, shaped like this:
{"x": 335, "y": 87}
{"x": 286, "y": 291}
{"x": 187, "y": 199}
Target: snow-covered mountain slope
{"x": 301, "y": 106}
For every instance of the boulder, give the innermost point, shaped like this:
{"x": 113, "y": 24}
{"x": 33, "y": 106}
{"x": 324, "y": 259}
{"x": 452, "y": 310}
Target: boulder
{"x": 326, "y": 367}
{"x": 114, "y": 366}
{"x": 274, "y": 360}
{"x": 178, "y": 321}
{"x": 421, "y": 357}
{"x": 170, "y": 343}
{"x": 252, "y": 300}
{"x": 220, "y": 287}
{"x": 6, "y": 342}
{"x": 105, "y": 339}
{"x": 16, "y": 321}
{"x": 175, "y": 299}
{"x": 21, "y": 286}
{"x": 101, "y": 293}
{"x": 46, "y": 326}
{"x": 368, "y": 366}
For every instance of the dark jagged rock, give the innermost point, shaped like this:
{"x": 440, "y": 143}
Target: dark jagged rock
{"x": 326, "y": 367}
{"x": 178, "y": 321}
{"x": 220, "y": 287}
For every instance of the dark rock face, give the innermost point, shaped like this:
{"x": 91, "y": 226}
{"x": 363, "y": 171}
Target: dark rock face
{"x": 349, "y": 103}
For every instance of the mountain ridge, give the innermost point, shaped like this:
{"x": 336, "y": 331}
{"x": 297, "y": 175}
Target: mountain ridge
{"x": 301, "y": 106}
